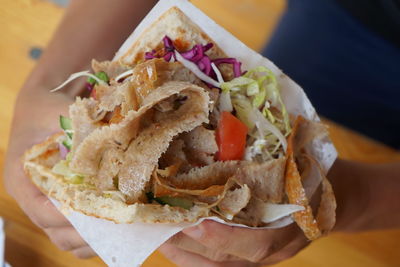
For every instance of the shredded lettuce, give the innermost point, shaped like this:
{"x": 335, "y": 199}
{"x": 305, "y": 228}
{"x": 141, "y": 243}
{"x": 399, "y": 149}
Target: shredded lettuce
{"x": 62, "y": 168}
{"x": 237, "y": 84}
{"x": 256, "y": 98}
{"x": 217, "y": 72}
{"x": 75, "y": 76}
{"x": 69, "y": 157}
{"x": 267, "y": 80}
{"x": 253, "y": 89}
{"x": 243, "y": 109}
{"x": 101, "y": 75}
{"x": 225, "y": 103}
{"x": 255, "y": 149}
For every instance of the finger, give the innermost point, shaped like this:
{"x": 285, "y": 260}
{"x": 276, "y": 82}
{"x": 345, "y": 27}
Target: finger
{"x": 254, "y": 245}
{"x": 184, "y": 258}
{"x": 84, "y": 252}
{"x": 36, "y": 205}
{"x": 184, "y": 242}
{"x": 43, "y": 213}
{"x": 65, "y": 238}
{"x": 289, "y": 251}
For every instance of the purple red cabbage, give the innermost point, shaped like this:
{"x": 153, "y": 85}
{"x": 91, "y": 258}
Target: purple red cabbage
{"x": 197, "y": 52}
{"x": 89, "y": 86}
{"x": 169, "y": 49}
{"x": 196, "y": 55}
{"x": 237, "y": 66}
{"x": 204, "y": 65}
{"x": 168, "y": 44}
{"x": 63, "y": 150}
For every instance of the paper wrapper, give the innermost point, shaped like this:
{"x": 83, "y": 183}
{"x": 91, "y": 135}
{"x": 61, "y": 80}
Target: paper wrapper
{"x": 130, "y": 244}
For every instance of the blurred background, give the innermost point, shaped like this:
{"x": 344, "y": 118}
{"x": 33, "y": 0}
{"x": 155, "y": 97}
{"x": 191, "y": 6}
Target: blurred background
{"x": 27, "y": 25}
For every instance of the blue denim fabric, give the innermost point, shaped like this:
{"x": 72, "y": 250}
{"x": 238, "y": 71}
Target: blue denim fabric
{"x": 350, "y": 74}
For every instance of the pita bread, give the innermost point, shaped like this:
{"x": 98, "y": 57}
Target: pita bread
{"x": 176, "y": 25}
{"x": 94, "y": 203}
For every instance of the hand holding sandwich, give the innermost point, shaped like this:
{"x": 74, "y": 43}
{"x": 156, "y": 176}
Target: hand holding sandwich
{"x": 36, "y": 110}
{"x": 215, "y": 244}
{"x": 367, "y": 196}
{"x": 32, "y": 122}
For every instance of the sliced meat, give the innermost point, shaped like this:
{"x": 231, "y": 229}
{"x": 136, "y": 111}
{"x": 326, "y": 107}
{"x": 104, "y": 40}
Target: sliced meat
{"x": 204, "y": 177}
{"x": 174, "y": 155}
{"x": 146, "y": 77}
{"x": 108, "y": 169}
{"x": 266, "y": 180}
{"x": 198, "y": 158}
{"x": 111, "y": 68}
{"x": 143, "y": 153}
{"x": 234, "y": 201}
{"x": 120, "y": 96}
{"x": 200, "y": 146}
{"x": 153, "y": 73}
{"x": 109, "y": 96}
{"x": 252, "y": 214}
{"x": 201, "y": 139}
{"x": 196, "y": 149}
{"x": 82, "y": 114}
{"x": 162, "y": 188}
{"x": 88, "y": 154}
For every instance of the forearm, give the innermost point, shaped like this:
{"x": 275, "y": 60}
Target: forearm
{"x": 368, "y": 195}
{"x": 89, "y": 29}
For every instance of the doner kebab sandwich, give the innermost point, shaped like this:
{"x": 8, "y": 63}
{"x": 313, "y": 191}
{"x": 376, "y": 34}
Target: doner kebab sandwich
{"x": 176, "y": 130}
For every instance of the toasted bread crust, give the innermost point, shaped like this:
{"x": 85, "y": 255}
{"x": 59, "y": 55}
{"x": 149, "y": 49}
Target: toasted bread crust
{"x": 92, "y": 203}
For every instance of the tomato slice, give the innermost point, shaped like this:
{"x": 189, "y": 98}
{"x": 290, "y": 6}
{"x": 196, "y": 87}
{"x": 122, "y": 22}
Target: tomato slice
{"x": 231, "y": 137}
{"x": 93, "y": 93}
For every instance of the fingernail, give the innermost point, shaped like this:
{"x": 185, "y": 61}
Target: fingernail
{"x": 194, "y": 232}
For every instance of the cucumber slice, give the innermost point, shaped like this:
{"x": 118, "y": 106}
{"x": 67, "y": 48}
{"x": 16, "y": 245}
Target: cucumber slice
{"x": 69, "y": 133}
{"x": 172, "y": 201}
{"x": 76, "y": 179}
{"x": 67, "y": 143}
{"x": 62, "y": 168}
{"x": 65, "y": 123}
{"x": 175, "y": 202}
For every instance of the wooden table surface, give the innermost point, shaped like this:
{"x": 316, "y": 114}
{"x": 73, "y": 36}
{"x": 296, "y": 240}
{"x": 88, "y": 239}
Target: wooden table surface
{"x": 27, "y": 24}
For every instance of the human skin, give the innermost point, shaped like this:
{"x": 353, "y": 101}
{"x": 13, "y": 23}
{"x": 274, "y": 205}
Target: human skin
{"x": 366, "y": 193}
{"x": 89, "y": 29}
{"x": 367, "y": 199}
